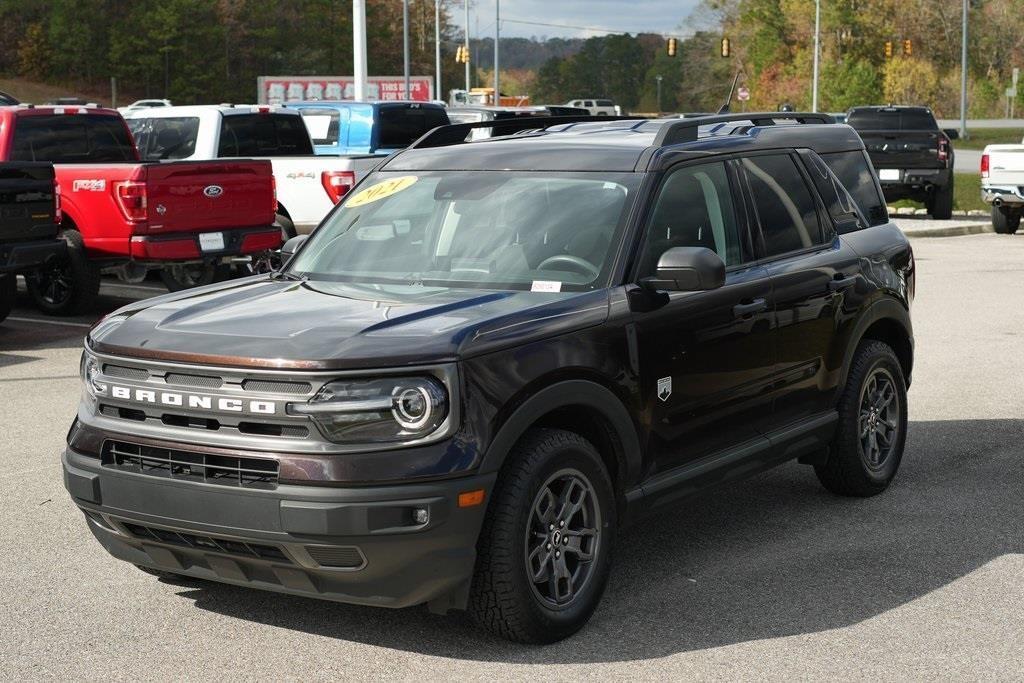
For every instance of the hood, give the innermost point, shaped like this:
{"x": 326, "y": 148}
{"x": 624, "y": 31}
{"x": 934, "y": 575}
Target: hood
{"x": 311, "y": 325}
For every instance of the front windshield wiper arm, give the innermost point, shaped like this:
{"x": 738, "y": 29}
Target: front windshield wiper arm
{"x": 285, "y": 275}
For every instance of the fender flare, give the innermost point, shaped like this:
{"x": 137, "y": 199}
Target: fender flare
{"x": 563, "y": 394}
{"x": 883, "y": 309}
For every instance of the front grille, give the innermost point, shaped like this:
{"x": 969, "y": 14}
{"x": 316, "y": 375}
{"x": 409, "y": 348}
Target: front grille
{"x": 185, "y": 465}
{"x": 208, "y": 543}
{"x": 202, "y": 381}
{"x": 347, "y": 557}
{"x": 270, "y": 386}
{"x": 125, "y": 373}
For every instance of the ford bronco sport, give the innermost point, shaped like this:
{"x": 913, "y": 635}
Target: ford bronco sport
{"x": 494, "y": 354}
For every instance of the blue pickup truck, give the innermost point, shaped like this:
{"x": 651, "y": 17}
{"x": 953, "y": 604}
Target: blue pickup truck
{"x": 345, "y": 127}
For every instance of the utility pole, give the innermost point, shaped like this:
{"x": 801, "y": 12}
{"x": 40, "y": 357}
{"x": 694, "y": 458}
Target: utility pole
{"x": 658, "y": 79}
{"x": 497, "y": 39}
{"x": 437, "y": 48}
{"x": 817, "y": 50}
{"x": 405, "y": 46}
{"x": 359, "y": 48}
{"x": 467, "y": 47}
{"x": 963, "y": 75}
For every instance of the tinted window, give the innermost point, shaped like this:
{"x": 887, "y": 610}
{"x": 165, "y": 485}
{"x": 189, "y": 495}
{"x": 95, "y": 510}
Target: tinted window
{"x": 401, "y": 126}
{"x": 838, "y": 202}
{"x": 694, "y": 209}
{"x": 785, "y": 207}
{"x": 892, "y": 119}
{"x": 605, "y": 103}
{"x": 170, "y": 138}
{"x": 323, "y": 124}
{"x": 854, "y": 172}
{"x": 249, "y": 135}
{"x": 71, "y": 138}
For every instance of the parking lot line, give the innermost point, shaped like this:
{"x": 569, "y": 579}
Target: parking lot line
{"x": 48, "y": 322}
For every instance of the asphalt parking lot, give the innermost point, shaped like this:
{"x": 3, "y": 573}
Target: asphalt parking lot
{"x": 769, "y": 579}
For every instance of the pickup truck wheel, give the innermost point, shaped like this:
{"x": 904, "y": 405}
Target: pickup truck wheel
{"x": 868, "y": 446}
{"x": 940, "y": 205}
{"x": 186, "y": 276}
{"x": 286, "y": 225}
{"x": 545, "y": 549}
{"x": 1005, "y": 221}
{"x": 66, "y": 287}
{"x": 8, "y": 293}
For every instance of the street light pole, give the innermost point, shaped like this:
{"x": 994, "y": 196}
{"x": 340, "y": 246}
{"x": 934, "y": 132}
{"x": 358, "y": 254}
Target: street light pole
{"x": 437, "y": 48}
{"x": 658, "y": 79}
{"x": 405, "y": 38}
{"x": 497, "y": 39}
{"x": 467, "y": 47}
{"x": 963, "y": 74}
{"x": 359, "y": 49}
{"x": 817, "y": 50}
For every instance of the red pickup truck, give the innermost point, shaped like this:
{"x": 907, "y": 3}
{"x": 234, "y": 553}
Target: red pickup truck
{"x": 125, "y": 216}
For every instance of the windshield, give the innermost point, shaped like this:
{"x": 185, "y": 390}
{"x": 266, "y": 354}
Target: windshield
{"x": 71, "y": 138}
{"x": 492, "y": 229}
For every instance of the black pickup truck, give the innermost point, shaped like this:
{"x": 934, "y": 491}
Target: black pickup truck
{"x": 29, "y": 218}
{"x": 912, "y": 155}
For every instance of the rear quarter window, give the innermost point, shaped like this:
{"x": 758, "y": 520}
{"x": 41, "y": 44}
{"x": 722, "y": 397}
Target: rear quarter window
{"x": 854, "y": 171}
{"x": 324, "y": 125}
{"x": 251, "y": 135}
{"x": 401, "y": 126}
{"x": 71, "y": 138}
{"x": 165, "y": 138}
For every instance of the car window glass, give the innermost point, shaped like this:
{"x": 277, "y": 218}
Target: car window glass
{"x": 694, "y": 209}
{"x": 246, "y": 135}
{"x": 324, "y": 125}
{"x": 71, "y": 138}
{"x": 165, "y": 138}
{"x": 854, "y": 171}
{"x": 401, "y": 126}
{"x": 838, "y": 201}
{"x": 785, "y": 207}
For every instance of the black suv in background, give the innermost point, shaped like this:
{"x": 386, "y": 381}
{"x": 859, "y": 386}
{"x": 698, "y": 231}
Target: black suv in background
{"x": 492, "y": 355}
{"x": 913, "y": 157}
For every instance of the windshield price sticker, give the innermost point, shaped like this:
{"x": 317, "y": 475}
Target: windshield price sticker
{"x": 546, "y": 286}
{"x": 383, "y": 189}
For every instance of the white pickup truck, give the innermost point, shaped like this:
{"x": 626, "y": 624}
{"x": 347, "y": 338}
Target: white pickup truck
{"x": 308, "y": 186}
{"x": 1002, "y": 185}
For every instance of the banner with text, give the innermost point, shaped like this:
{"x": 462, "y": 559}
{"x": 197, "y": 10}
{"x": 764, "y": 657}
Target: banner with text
{"x": 278, "y": 89}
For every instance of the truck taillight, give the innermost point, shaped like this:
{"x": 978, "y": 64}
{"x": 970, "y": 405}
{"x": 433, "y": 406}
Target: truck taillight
{"x": 131, "y": 198}
{"x": 943, "y": 152}
{"x": 273, "y": 187}
{"x": 337, "y": 183}
{"x": 984, "y": 166}
{"x": 58, "y": 212}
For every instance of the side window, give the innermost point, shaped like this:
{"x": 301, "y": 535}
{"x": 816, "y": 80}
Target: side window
{"x": 785, "y": 206}
{"x": 694, "y": 208}
{"x": 854, "y": 172}
{"x": 841, "y": 207}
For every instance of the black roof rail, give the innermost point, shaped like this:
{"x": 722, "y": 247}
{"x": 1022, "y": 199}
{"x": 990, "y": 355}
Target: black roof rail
{"x": 685, "y": 130}
{"x": 456, "y": 133}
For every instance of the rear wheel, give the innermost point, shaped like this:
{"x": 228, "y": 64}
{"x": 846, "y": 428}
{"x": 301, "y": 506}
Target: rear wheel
{"x": 188, "y": 275}
{"x": 66, "y": 287}
{"x": 940, "y": 204}
{"x": 868, "y": 447}
{"x": 8, "y": 293}
{"x": 1005, "y": 221}
{"x": 545, "y": 549}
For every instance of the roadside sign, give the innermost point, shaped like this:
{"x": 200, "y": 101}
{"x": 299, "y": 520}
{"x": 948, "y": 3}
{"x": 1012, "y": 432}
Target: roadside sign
{"x": 278, "y": 89}
{"x": 1011, "y": 92}
{"x": 743, "y": 94}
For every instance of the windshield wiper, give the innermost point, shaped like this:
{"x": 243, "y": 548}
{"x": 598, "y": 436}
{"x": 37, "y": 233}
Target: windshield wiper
{"x": 285, "y": 275}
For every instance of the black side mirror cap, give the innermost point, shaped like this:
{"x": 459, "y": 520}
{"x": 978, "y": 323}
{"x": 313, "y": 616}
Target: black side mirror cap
{"x": 292, "y": 246}
{"x": 951, "y": 133}
{"x": 687, "y": 269}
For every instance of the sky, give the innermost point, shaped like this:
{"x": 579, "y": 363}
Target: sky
{"x": 588, "y": 17}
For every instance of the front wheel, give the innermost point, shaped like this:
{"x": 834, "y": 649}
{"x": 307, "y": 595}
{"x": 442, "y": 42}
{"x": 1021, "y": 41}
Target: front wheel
{"x": 868, "y": 446}
{"x": 545, "y": 549}
{"x": 1005, "y": 221}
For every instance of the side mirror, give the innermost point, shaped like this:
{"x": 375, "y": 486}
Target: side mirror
{"x": 951, "y": 133}
{"x": 292, "y": 246}
{"x": 687, "y": 269}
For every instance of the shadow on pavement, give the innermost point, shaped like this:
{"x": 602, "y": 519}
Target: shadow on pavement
{"x": 771, "y": 557}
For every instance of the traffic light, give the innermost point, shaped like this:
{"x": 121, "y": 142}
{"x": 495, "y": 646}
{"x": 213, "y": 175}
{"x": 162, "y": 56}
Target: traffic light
{"x": 462, "y": 54}
{"x": 908, "y": 47}
{"x": 725, "y": 47}
{"x": 888, "y": 49}
{"x": 671, "y": 47}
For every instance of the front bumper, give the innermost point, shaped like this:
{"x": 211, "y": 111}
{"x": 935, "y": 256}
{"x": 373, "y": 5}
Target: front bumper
{"x": 16, "y": 257}
{"x": 357, "y": 544}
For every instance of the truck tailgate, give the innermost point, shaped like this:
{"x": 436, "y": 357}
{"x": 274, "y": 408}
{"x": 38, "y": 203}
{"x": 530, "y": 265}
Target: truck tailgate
{"x": 300, "y": 188}
{"x": 1005, "y": 165}
{"x": 208, "y": 195}
{"x": 26, "y": 201}
{"x": 902, "y": 148}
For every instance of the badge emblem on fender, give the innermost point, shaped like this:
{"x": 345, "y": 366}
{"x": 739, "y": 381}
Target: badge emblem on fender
{"x": 664, "y": 388}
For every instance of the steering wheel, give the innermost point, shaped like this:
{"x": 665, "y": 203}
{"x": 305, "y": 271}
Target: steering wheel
{"x": 574, "y": 263}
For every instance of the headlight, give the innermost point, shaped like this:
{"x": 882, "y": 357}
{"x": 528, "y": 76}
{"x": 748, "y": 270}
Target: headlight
{"x": 90, "y": 371}
{"x": 377, "y": 410}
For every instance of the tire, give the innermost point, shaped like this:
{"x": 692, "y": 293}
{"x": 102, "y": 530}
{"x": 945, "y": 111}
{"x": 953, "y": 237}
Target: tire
{"x": 503, "y": 597}
{"x": 1005, "y": 221}
{"x": 286, "y": 225}
{"x": 853, "y": 467}
{"x": 66, "y": 287}
{"x": 8, "y": 294}
{"x": 941, "y": 204}
{"x": 189, "y": 275}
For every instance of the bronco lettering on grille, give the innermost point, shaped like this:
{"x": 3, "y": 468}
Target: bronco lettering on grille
{"x": 167, "y": 398}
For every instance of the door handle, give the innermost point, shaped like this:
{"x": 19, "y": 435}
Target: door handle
{"x": 841, "y": 283}
{"x": 755, "y": 306}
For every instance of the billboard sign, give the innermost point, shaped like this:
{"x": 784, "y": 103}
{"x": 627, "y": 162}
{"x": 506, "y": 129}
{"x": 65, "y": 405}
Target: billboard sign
{"x": 279, "y": 89}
